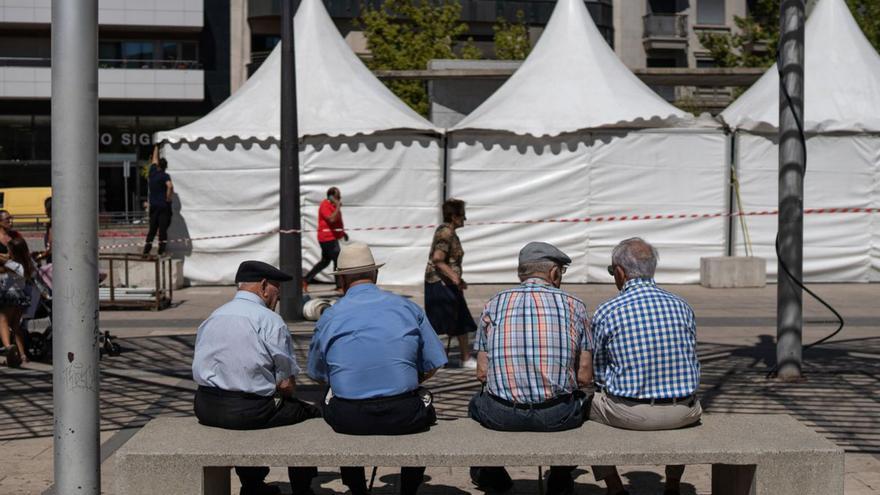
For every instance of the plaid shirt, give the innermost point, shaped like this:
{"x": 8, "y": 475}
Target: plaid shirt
{"x": 533, "y": 335}
{"x": 645, "y": 344}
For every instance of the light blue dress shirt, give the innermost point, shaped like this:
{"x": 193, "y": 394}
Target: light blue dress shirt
{"x": 373, "y": 343}
{"x": 245, "y": 347}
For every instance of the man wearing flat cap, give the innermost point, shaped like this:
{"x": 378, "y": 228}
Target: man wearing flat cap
{"x": 246, "y": 371}
{"x": 533, "y": 355}
{"x": 374, "y": 348}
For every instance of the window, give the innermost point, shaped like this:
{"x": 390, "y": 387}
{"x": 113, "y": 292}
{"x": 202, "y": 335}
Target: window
{"x": 138, "y": 54}
{"x": 664, "y": 7}
{"x": 710, "y": 12}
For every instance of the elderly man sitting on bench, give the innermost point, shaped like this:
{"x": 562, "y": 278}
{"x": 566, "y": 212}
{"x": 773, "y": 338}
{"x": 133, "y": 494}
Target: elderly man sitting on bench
{"x": 374, "y": 348}
{"x": 533, "y": 354}
{"x": 645, "y": 357}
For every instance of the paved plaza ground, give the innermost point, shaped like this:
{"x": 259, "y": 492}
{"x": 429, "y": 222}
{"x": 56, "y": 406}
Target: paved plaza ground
{"x": 840, "y": 397}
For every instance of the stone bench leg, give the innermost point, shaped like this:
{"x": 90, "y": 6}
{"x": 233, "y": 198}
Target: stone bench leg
{"x": 731, "y": 479}
{"x": 216, "y": 480}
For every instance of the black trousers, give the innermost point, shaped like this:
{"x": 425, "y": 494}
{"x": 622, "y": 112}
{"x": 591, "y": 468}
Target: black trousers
{"x": 241, "y": 411}
{"x": 329, "y": 254}
{"x": 160, "y": 220}
{"x": 398, "y": 415}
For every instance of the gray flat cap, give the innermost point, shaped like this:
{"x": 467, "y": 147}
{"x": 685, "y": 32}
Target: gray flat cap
{"x": 541, "y": 251}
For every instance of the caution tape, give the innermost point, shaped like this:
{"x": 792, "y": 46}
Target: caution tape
{"x": 597, "y": 219}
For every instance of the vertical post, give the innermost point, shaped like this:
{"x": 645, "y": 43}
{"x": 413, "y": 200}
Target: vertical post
{"x": 75, "y": 245}
{"x": 290, "y": 244}
{"x": 792, "y": 163}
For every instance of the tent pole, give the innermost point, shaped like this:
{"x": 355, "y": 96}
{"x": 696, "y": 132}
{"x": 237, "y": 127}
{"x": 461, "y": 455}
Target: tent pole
{"x": 445, "y": 142}
{"x": 792, "y": 164}
{"x": 731, "y": 193}
{"x": 290, "y": 248}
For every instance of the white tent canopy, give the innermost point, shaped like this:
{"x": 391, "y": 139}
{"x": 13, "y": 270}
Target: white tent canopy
{"x": 842, "y": 83}
{"x": 354, "y": 134}
{"x": 336, "y": 94}
{"x": 574, "y": 134}
{"x": 842, "y": 122}
{"x": 571, "y": 81}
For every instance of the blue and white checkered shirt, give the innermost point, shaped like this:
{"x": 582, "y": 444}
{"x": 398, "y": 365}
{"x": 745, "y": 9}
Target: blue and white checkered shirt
{"x": 645, "y": 344}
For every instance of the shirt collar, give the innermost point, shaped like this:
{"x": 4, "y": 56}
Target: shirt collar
{"x": 638, "y": 282}
{"x": 357, "y": 289}
{"x": 249, "y": 296}
{"x": 536, "y": 281}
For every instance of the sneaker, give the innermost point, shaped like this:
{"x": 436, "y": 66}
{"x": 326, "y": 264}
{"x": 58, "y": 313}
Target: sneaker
{"x": 491, "y": 479}
{"x": 469, "y": 364}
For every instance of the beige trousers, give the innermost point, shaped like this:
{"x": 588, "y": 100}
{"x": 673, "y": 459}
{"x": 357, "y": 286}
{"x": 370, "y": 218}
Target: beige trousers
{"x": 621, "y": 413}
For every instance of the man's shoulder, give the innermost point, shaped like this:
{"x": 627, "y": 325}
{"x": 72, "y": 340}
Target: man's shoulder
{"x": 249, "y": 310}
{"x": 640, "y": 296}
{"x": 521, "y": 289}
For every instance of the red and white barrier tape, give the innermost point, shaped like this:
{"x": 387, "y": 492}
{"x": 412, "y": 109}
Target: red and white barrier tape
{"x": 598, "y": 219}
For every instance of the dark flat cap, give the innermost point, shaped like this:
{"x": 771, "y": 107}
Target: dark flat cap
{"x": 255, "y": 271}
{"x": 541, "y": 251}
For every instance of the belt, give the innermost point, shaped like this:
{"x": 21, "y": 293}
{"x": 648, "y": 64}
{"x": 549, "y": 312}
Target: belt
{"x": 219, "y": 392}
{"x": 664, "y": 400}
{"x": 559, "y": 399}
{"x": 389, "y": 398}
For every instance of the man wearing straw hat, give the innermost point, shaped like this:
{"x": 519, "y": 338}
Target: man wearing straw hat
{"x": 374, "y": 349}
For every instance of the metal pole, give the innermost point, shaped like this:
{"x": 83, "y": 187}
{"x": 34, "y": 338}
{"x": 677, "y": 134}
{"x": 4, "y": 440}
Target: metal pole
{"x": 290, "y": 244}
{"x": 792, "y": 162}
{"x": 75, "y": 244}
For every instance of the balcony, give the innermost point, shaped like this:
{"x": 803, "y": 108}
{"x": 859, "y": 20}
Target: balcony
{"x": 157, "y": 80}
{"x": 185, "y": 14}
{"x": 665, "y": 32}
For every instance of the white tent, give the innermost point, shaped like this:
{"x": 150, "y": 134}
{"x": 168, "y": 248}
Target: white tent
{"x": 842, "y": 122}
{"x": 575, "y": 134}
{"x": 354, "y": 134}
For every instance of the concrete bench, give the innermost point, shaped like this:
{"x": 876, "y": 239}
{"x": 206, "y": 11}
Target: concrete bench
{"x": 749, "y": 454}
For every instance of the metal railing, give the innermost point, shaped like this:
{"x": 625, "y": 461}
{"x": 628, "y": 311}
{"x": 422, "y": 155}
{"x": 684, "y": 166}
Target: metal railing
{"x": 107, "y": 63}
{"x": 666, "y": 26}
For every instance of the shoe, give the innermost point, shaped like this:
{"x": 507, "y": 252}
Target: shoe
{"x": 13, "y": 359}
{"x": 557, "y": 486}
{"x": 469, "y": 364}
{"x": 305, "y": 287}
{"x": 261, "y": 489}
{"x": 671, "y": 492}
{"x": 491, "y": 479}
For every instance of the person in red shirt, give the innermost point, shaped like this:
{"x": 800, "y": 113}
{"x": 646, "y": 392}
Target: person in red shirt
{"x": 330, "y": 230}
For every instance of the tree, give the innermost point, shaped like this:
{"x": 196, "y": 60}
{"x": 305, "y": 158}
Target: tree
{"x": 512, "y": 38}
{"x": 755, "y": 43}
{"x": 406, "y": 34}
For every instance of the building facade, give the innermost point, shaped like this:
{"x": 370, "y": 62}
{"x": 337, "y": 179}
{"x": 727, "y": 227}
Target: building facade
{"x": 162, "y": 64}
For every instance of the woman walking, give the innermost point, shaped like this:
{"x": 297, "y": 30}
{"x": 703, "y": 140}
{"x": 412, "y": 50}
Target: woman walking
{"x": 444, "y": 297}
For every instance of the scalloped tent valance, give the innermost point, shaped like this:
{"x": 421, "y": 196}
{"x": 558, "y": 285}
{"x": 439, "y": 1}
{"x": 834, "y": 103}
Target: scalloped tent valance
{"x": 337, "y": 95}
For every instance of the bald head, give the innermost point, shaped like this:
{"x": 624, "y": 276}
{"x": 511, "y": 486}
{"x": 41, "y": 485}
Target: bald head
{"x": 637, "y": 258}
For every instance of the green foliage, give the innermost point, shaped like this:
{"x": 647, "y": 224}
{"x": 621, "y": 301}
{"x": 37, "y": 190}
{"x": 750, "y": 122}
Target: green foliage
{"x": 406, "y": 34}
{"x": 512, "y": 39}
{"x": 755, "y": 43}
{"x": 867, "y": 14}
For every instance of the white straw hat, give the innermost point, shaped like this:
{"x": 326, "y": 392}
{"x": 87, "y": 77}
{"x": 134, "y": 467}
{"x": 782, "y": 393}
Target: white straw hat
{"x": 355, "y": 257}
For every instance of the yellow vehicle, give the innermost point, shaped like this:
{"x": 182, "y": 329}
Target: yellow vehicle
{"x": 25, "y": 204}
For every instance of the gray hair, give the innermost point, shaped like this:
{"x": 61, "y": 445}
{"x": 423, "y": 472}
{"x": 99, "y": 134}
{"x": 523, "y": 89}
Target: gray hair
{"x": 534, "y": 267}
{"x": 637, "y": 258}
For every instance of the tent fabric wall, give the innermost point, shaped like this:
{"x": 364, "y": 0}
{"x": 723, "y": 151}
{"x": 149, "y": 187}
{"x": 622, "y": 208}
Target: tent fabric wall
{"x": 575, "y": 176}
{"x": 233, "y": 189}
{"x": 843, "y": 171}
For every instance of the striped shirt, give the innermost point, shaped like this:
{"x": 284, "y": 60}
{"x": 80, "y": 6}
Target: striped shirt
{"x": 533, "y": 335}
{"x": 645, "y": 344}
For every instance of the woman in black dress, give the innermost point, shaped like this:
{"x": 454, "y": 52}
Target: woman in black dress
{"x": 444, "y": 300}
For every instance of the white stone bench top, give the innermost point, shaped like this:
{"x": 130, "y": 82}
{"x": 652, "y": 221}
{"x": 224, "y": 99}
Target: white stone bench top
{"x": 720, "y": 438}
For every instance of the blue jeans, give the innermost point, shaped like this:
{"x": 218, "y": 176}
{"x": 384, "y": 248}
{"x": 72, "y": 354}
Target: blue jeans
{"x": 497, "y": 416}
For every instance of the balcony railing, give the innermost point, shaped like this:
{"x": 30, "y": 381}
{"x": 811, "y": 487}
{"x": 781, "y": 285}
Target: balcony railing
{"x": 107, "y": 63}
{"x": 666, "y": 26}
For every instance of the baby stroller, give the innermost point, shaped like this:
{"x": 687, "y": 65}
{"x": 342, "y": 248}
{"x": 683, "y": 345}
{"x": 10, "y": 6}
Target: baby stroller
{"x": 39, "y": 343}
